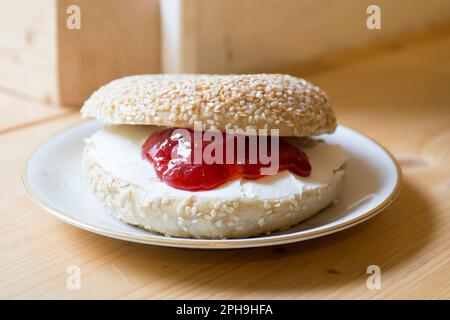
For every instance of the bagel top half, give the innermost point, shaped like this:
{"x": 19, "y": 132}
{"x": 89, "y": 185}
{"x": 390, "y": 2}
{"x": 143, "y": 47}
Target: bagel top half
{"x": 240, "y": 102}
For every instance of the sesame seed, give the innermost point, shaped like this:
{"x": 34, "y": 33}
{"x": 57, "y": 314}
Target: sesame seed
{"x": 219, "y": 224}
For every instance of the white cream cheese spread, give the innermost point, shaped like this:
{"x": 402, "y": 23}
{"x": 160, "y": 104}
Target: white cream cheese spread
{"x": 117, "y": 149}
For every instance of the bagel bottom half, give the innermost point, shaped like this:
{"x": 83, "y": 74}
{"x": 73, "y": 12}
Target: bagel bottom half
{"x": 195, "y": 216}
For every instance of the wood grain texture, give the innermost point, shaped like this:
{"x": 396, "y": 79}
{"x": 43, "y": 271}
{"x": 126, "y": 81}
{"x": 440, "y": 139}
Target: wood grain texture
{"x": 234, "y": 36}
{"x": 117, "y": 38}
{"x": 399, "y": 97}
{"x": 42, "y": 58}
{"x": 25, "y": 112}
{"x": 28, "y": 48}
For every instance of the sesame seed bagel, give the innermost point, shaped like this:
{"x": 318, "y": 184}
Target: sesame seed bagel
{"x": 243, "y": 103}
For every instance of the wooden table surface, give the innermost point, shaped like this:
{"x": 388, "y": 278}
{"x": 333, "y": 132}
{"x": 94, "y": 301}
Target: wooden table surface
{"x": 400, "y": 96}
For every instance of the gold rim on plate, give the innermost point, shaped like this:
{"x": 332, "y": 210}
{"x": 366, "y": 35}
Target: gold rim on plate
{"x": 210, "y": 243}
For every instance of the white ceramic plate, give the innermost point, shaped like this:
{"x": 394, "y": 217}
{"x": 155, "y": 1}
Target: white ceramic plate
{"x": 52, "y": 178}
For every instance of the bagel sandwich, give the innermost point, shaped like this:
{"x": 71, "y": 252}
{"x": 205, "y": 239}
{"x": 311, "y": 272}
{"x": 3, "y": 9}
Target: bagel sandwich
{"x": 142, "y": 165}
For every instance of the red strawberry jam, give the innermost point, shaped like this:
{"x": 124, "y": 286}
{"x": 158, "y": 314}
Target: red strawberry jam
{"x": 182, "y": 172}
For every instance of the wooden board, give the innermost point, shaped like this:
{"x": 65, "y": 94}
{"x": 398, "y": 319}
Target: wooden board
{"x": 22, "y": 112}
{"x": 234, "y": 36}
{"x": 28, "y": 48}
{"x": 42, "y": 58}
{"x": 400, "y": 97}
{"x": 117, "y": 38}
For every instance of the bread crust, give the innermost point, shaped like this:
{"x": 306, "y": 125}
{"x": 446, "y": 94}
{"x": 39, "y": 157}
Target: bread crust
{"x": 240, "y": 102}
{"x": 211, "y": 218}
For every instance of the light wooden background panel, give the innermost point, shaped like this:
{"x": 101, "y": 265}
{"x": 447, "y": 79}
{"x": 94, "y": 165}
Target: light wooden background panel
{"x": 42, "y": 58}
{"x": 399, "y": 96}
{"x": 28, "y": 47}
{"x": 117, "y": 38}
{"x": 236, "y": 36}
